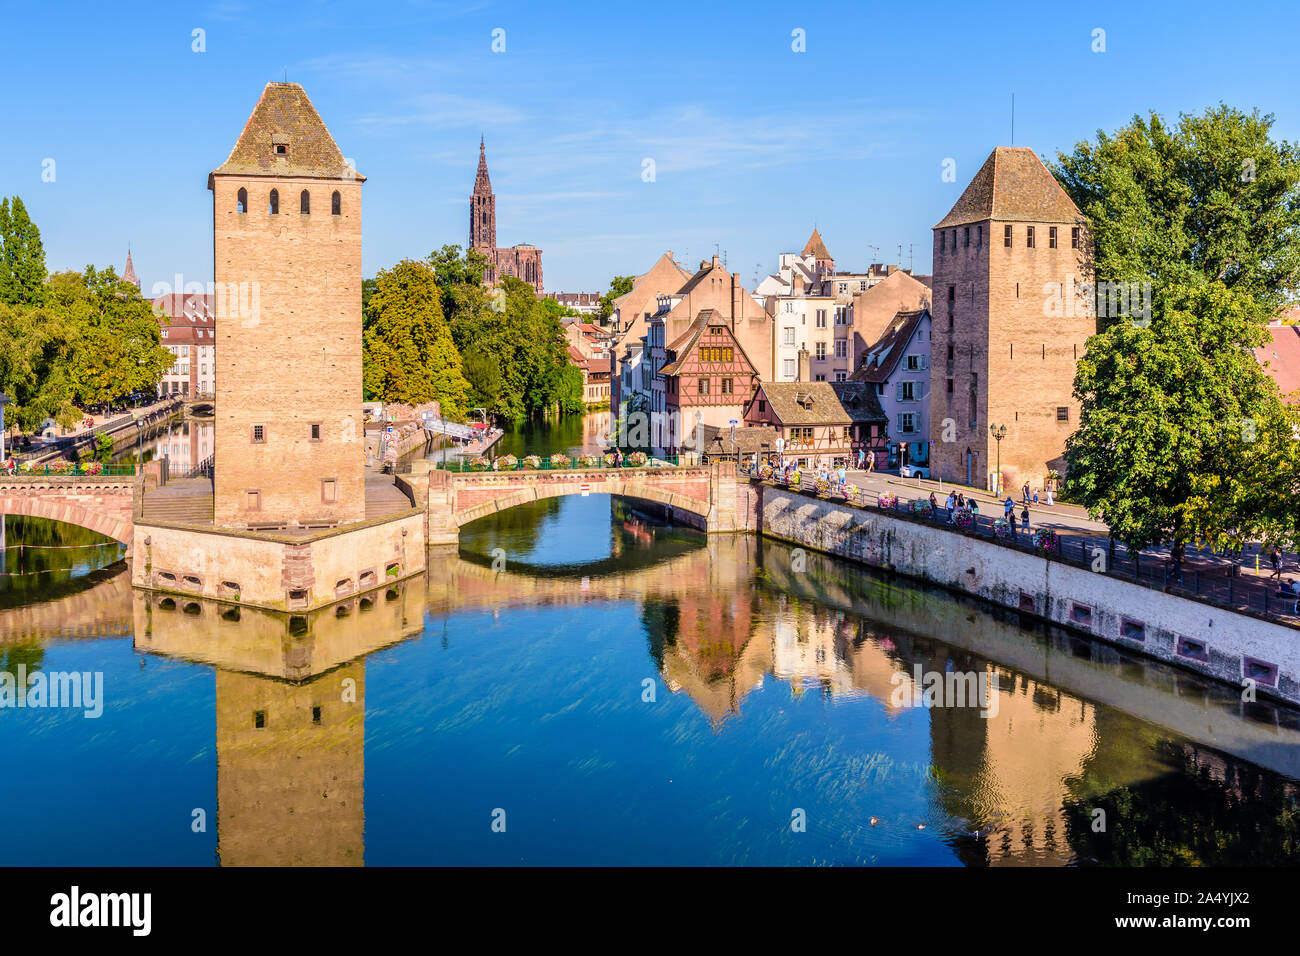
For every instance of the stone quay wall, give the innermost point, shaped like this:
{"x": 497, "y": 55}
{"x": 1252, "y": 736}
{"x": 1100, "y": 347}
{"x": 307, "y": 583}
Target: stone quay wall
{"x": 1213, "y": 641}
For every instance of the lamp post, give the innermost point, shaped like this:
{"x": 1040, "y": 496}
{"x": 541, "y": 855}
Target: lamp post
{"x": 998, "y": 432}
{"x": 4, "y": 400}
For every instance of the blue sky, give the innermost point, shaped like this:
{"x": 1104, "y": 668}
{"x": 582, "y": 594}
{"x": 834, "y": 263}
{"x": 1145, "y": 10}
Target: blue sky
{"x": 753, "y": 143}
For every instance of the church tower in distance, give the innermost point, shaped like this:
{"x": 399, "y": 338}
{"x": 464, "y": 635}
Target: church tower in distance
{"x": 290, "y": 449}
{"x": 1011, "y": 317}
{"x": 483, "y": 210}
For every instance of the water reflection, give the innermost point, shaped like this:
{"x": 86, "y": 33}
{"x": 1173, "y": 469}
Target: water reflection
{"x": 661, "y": 697}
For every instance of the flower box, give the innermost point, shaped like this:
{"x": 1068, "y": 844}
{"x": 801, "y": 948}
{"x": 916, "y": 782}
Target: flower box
{"x": 561, "y": 461}
{"x": 636, "y": 459}
{"x": 1045, "y": 540}
{"x": 887, "y": 500}
{"x": 963, "y": 520}
{"x": 479, "y": 463}
{"x": 532, "y": 462}
{"x": 1001, "y": 528}
{"x": 506, "y": 463}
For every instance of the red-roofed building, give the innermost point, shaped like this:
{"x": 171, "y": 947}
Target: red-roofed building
{"x": 1281, "y": 358}
{"x": 189, "y": 332}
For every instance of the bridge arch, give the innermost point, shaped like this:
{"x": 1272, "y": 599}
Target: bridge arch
{"x": 107, "y": 521}
{"x": 639, "y": 487}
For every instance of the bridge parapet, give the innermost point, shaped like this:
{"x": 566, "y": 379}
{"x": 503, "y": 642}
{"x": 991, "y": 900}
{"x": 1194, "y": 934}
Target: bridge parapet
{"x": 103, "y": 503}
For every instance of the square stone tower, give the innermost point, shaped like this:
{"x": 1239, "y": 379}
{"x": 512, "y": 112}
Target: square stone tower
{"x": 286, "y": 211}
{"x": 1011, "y": 316}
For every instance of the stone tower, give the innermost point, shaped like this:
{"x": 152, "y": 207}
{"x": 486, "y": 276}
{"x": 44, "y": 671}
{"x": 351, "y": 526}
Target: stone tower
{"x": 287, "y": 263}
{"x": 823, "y": 260}
{"x": 1011, "y": 260}
{"x": 483, "y": 210}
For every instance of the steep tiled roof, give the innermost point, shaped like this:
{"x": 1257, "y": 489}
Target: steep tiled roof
{"x": 883, "y": 354}
{"x": 815, "y": 247}
{"x": 284, "y": 116}
{"x": 1013, "y": 185}
{"x": 805, "y": 403}
{"x": 1281, "y": 357}
{"x": 860, "y": 401}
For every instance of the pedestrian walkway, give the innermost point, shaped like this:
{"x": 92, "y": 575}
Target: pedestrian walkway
{"x": 1240, "y": 582}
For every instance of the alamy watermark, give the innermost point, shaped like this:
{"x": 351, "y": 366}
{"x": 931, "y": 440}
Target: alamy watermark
{"x": 953, "y": 688}
{"x": 1110, "y": 300}
{"x": 83, "y": 690}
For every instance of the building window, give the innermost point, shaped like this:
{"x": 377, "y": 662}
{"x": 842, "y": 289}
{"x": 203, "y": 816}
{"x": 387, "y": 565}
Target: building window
{"x": 950, "y": 353}
{"x": 789, "y": 336}
{"x": 329, "y": 490}
{"x": 726, "y": 386}
{"x": 315, "y": 431}
{"x": 275, "y": 202}
{"x": 702, "y": 386}
{"x": 1074, "y": 237}
{"x": 907, "y": 391}
{"x": 1063, "y": 413}
{"x": 241, "y": 201}
{"x": 259, "y": 434}
{"x": 336, "y": 204}
{"x": 949, "y": 387}
{"x": 253, "y": 500}
{"x": 1029, "y": 237}
{"x": 787, "y": 368}
{"x": 907, "y": 423}
{"x": 1051, "y": 237}
{"x": 841, "y": 348}
{"x": 304, "y": 203}
{"x": 1006, "y": 236}
{"x": 841, "y": 315}
{"x": 979, "y": 236}
{"x": 282, "y": 149}
{"x": 841, "y": 376}
{"x": 821, "y": 351}
{"x": 966, "y": 237}
{"x": 914, "y": 363}
{"x": 821, "y": 318}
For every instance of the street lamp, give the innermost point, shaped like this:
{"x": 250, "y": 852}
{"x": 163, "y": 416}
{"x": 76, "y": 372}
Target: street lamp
{"x": 998, "y": 432}
{"x": 4, "y": 400}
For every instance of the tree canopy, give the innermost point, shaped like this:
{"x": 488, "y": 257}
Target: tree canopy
{"x": 22, "y": 256}
{"x": 1178, "y": 418}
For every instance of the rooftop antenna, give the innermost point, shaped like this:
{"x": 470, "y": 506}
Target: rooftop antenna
{"x": 286, "y": 74}
{"x": 900, "y": 252}
{"x": 909, "y": 257}
{"x": 875, "y": 254}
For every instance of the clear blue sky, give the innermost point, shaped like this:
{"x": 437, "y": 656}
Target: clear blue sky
{"x": 753, "y": 143}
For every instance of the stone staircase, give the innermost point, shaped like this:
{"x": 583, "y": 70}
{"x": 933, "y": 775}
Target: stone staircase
{"x": 184, "y": 501}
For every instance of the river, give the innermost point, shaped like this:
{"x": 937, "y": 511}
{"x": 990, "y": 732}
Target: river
{"x": 581, "y": 684}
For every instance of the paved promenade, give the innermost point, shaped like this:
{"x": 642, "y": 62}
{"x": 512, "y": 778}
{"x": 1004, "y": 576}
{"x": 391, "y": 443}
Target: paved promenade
{"x": 1238, "y": 581}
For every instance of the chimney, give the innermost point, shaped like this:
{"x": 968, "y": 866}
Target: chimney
{"x": 715, "y": 260}
{"x": 805, "y": 367}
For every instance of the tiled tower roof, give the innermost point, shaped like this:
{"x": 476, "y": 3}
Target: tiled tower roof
{"x": 1013, "y": 185}
{"x": 482, "y": 185}
{"x": 285, "y": 136}
{"x": 815, "y": 247}
{"x": 128, "y": 274}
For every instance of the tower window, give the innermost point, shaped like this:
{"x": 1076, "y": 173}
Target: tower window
{"x": 259, "y": 434}
{"x": 275, "y": 202}
{"x": 336, "y": 204}
{"x": 315, "y": 431}
{"x": 1074, "y": 237}
{"x": 241, "y": 201}
{"x": 1006, "y": 236}
{"x": 1029, "y": 237}
{"x": 1063, "y": 413}
{"x": 281, "y": 149}
{"x": 966, "y": 237}
{"x": 253, "y": 500}
{"x": 1051, "y": 237}
{"x": 329, "y": 491}
{"x": 304, "y": 203}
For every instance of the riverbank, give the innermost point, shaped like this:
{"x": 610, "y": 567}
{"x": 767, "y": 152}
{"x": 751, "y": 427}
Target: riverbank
{"x": 1213, "y": 641}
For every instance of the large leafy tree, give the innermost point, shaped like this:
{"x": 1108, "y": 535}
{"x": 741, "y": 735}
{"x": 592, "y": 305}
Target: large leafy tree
{"x": 91, "y": 340}
{"x": 409, "y": 355}
{"x": 1208, "y": 213}
{"x": 22, "y": 256}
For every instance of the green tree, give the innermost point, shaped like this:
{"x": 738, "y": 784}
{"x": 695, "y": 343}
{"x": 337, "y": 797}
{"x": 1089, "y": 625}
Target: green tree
{"x": 409, "y": 354}
{"x": 1205, "y": 214}
{"x": 22, "y": 256}
{"x": 618, "y": 286}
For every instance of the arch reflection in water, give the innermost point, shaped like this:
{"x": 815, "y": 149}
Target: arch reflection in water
{"x": 290, "y": 716}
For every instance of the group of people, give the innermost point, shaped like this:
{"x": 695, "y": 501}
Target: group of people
{"x": 956, "y": 503}
{"x": 1009, "y": 511}
{"x": 1028, "y": 495}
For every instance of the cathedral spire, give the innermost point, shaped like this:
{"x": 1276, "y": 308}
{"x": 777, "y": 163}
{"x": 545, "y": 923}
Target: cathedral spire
{"x": 128, "y": 274}
{"x": 482, "y": 185}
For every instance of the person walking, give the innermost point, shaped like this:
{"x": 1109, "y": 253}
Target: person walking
{"x": 843, "y": 477}
{"x": 1009, "y": 510}
{"x": 1024, "y": 518}
{"x": 1025, "y": 493}
{"x": 862, "y": 457}
{"x": 951, "y": 505}
{"x": 934, "y": 506}
{"x": 1275, "y": 558}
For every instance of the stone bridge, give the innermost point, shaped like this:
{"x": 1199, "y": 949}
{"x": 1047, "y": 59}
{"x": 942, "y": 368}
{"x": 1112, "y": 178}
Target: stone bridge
{"x": 706, "y": 497}
{"x": 102, "y": 503}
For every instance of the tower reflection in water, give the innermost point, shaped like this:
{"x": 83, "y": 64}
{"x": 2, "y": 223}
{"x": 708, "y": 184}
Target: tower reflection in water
{"x": 291, "y": 716}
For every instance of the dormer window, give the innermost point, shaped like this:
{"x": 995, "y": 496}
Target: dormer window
{"x": 281, "y": 149}
{"x": 279, "y": 145}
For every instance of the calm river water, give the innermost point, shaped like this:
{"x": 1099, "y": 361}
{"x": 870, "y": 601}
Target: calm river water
{"x": 613, "y": 691}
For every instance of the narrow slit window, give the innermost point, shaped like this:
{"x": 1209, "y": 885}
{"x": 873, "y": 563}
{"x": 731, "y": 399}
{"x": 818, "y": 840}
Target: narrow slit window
{"x": 304, "y": 203}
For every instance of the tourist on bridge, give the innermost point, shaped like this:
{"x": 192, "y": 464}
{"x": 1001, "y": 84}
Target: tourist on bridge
{"x": 1009, "y": 509}
{"x": 862, "y": 457}
{"x": 1024, "y": 518}
{"x": 951, "y": 505}
{"x": 934, "y": 506}
{"x": 1275, "y": 558}
{"x": 1025, "y": 493}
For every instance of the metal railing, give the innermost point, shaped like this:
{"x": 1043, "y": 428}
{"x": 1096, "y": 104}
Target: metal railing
{"x": 69, "y": 469}
{"x": 203, "y": 469}
{"x": 545, "y": 464}
{"x": 1201, "y": 576}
